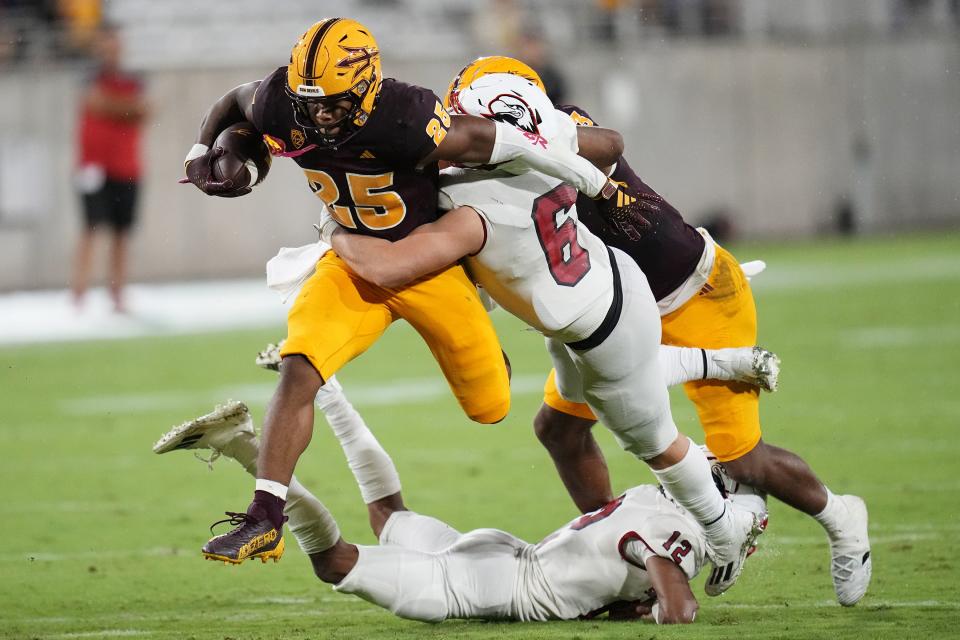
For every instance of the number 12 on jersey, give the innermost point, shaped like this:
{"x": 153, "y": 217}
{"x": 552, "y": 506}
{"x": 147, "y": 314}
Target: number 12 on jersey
{"x": 567, "y": 259}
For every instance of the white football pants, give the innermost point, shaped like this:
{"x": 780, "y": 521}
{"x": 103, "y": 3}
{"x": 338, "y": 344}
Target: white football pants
{"x": 426, "y": 570}
{"x": 621, "y": 379}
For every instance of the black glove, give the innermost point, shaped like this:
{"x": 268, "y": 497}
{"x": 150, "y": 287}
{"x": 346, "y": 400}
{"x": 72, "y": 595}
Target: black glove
{"x": 625, "y": 214}
{"x": 200, "y": 174}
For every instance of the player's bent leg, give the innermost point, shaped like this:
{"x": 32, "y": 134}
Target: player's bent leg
{"x": 790, "y": 479}
{"x": 753, "y": 365}
{"x": 288, "y": 424}
{"x": 287, "y": 431}
{"x": 411, "y": 584}
{"x": 372, "y": 468}
{"x": 446, "y": 311}
{"x": 475, "y": 578}
{"x": 782, "y": 474}
{"x": 577, "y": 456}
{"x": 333, "y": 564}
{"x": 417, "y": 531}
{"x": 629, "y": 397}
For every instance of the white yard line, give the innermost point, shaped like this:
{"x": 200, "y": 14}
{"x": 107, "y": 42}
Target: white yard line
{"x": 170, "y": 309}
{"x": 832, "y": 604}
{"x": 409, "y": 391}
{"x": 874, "y": 337}
{"x": 103, "y": 633}
{"x": 880, "y": 535}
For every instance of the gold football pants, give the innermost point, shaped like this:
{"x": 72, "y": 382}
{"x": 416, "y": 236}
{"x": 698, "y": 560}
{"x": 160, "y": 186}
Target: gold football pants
{"x": 338, "y": 315}
{"x": 721, "y": 315}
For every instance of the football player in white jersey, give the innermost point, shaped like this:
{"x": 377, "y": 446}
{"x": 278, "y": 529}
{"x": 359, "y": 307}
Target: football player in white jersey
{"x": 633, "y": 558}
{"x": 519, "y": 239}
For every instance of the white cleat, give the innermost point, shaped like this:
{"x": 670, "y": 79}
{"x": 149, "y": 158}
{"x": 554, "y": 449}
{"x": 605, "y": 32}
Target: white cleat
{"x": 211, "y": 431}
{"x": 728, "y": 560}
{"x": 754, "y": 365}
{"x": 850, "y": 562}
{"x": 269, "y": 358}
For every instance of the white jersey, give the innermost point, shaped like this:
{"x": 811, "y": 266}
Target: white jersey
{"x": 537, "y": 262}
{"x": 599, "y": 558}
{"x": 425, "y": 570}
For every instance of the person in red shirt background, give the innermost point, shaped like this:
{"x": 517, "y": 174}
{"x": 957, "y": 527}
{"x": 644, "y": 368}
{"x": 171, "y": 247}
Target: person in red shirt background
{"x": 113, "y": 109}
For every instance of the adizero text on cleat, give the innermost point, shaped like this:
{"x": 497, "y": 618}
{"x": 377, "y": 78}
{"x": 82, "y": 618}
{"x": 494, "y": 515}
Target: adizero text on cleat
{"x": 250, "y": 539}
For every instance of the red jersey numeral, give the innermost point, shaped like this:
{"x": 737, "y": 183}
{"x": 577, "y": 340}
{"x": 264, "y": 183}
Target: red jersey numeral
{"x": 567, "y": 260}
{"x": 682, "y": 549}
{"x": 598, "y": 515}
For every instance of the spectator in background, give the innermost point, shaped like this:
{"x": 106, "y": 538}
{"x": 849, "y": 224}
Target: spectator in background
{"x": 533, "y": 49}
{"x": 497, "y": 26}
{"x": 108, "y": 176}
{"x": 81, "y": 24}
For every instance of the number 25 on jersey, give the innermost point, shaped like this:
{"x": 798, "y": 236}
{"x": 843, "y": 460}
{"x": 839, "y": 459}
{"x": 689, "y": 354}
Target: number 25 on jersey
{"x": 370, "y": 203}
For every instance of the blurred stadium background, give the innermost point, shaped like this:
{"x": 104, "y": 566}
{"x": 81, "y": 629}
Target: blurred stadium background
{"x": 820, "y": 135}
{"x": 768, "y": 118}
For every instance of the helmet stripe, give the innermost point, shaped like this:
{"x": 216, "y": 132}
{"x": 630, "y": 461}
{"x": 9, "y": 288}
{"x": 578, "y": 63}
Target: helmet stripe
{"x": 309, "y": 73}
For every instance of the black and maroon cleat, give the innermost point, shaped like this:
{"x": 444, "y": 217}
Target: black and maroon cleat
{"x": 252, "y": 538}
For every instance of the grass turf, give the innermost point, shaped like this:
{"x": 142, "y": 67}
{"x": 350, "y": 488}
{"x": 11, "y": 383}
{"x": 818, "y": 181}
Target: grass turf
{"x": 104, "y": 536}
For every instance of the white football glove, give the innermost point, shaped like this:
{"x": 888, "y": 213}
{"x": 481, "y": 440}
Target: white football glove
{"x": 326, "y": 226}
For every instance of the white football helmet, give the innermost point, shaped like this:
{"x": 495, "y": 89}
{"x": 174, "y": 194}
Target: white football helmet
{"x": 513, "y": 99}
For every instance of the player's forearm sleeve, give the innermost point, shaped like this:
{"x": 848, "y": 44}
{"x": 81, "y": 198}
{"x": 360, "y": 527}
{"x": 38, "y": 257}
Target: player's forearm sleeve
{"x": 536, "y": 153}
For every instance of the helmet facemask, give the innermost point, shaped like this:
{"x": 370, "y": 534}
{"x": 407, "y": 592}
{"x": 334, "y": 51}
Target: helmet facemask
{"x": 341, "y": 130}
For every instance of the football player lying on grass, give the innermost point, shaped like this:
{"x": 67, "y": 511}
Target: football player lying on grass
{"x": 632, "y": 558}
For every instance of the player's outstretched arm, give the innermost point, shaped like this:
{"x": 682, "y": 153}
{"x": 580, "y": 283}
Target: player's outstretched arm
{"x": 235, "y": 106}
{"x": 458, "y": 233}
{"x": 603, "y": 147}
{"x": 676, "y": 603}
{"x": 472, "y": 139}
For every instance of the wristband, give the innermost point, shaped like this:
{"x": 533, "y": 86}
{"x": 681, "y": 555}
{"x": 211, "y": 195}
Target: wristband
{"x": 326, "y": 228}
{"x": 608, "y": 190}
{"x": 195, "y": 152}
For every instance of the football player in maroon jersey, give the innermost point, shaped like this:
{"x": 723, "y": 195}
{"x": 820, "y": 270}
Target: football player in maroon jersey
{"x": 369, "y": 148}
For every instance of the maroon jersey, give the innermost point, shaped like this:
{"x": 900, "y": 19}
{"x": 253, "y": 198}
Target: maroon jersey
{"x": 665, "y": 247}
{"x": 373, "y": 183}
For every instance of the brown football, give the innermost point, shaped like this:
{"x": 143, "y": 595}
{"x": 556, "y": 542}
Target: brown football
{"x": 247, "y": 159}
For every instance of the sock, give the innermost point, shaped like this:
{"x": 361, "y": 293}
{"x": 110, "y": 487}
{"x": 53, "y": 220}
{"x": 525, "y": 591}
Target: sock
{"x": 683, "y": 364}
{"x": 274, "y": 488}
{"x": 243, "y": 448}
{"x": 832, "y": 516}
{"x": 714, "y": 370}
{"x": 372, "y": 468}
{"x": 266, "y": 506}
{"x": 309, "y": 520}
{"x": 691, "y": 485}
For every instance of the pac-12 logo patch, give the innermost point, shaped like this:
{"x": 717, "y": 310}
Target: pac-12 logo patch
{"x": 297, "y": 138}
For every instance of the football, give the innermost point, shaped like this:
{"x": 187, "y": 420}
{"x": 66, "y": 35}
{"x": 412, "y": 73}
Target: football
{"x": 246, "y": 160}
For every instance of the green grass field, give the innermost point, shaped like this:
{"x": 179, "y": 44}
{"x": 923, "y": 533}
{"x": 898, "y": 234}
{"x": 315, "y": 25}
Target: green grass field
{"x": 103, "y": 536}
